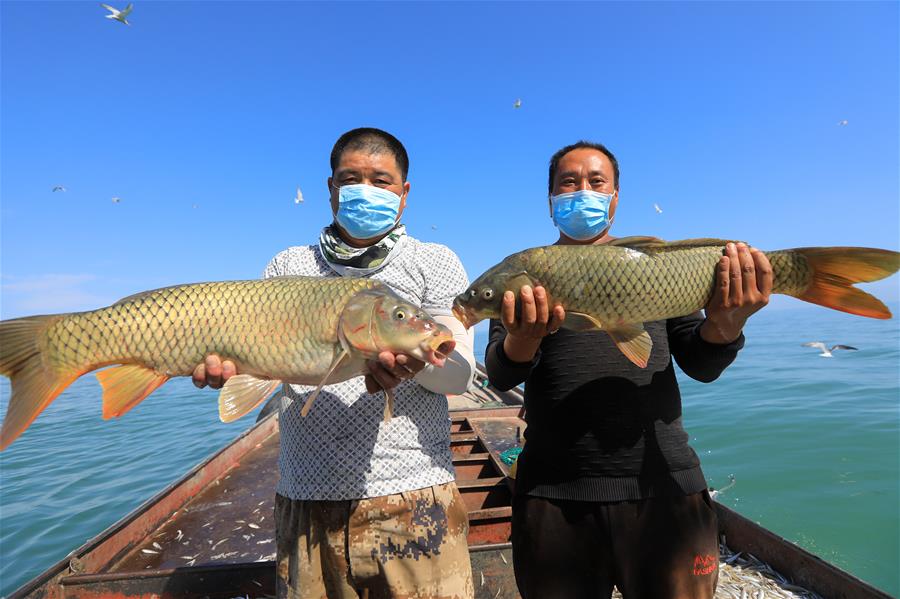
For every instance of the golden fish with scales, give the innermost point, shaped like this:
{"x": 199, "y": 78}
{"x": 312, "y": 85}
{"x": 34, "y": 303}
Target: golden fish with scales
{"x": 615, "y": 287}
{"x": 302, "y": 330}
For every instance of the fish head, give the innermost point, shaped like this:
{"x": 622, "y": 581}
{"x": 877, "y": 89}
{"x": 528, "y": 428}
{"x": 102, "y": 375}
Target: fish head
{"x": 484, "y": 297}
{"x": 377, "y": 320}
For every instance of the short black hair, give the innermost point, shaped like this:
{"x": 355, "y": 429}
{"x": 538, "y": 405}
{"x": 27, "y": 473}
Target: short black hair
{"x": 554, "y": 160}
{"x": 373, "y": 141}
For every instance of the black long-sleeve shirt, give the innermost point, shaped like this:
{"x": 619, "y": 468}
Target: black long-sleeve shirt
{"x": 599, "y": 427}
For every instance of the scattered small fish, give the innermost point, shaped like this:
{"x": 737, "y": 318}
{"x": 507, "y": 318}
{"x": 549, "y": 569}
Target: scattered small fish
{"x": 118, "y": 15}
{"x": 503, "y": 557}
{"x": 252, "y": 525}
{"x": 207, "y": 524}
{"x": 59, "y": 188}
{"x": 517, "y": 103}
{"x": 217, "y": 544}
{"x": 826, "y": 353}
{"x": 179, "y": 536}
{"x": 157, "y": 545}
{"x": 482, "y": 579}
{"x": 149, "y": 551}
{"x": 298, "y": 199}
{"x": 657, "y": 208}
{"x": 264, "y": 542}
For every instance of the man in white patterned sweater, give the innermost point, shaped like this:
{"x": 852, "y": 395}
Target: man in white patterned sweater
{"x": 366, "y": 507}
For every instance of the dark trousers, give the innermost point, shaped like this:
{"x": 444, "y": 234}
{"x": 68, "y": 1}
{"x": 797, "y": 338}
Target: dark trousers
{"x": 657, "y": 548}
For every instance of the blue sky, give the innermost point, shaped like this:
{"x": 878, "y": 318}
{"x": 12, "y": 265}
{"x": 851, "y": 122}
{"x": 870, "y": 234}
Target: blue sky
{"x": 203, "y": 117}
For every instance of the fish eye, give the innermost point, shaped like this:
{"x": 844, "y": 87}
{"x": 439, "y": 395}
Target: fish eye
{"x": 399, "y": 314}
{"x": 487, "y": 293}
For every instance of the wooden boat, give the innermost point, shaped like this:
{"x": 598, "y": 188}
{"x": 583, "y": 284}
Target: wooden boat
{"x": 211, "y": 533}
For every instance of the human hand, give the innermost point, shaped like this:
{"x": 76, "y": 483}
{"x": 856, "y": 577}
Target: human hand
{"x": 535, "y": 321}
{"x": 743, "y": 285}
{"x": 390, "y": 369}
{"x": 213, "y": 371}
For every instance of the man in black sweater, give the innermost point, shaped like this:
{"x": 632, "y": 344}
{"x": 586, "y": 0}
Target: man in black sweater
{"x": 608, "y": 492}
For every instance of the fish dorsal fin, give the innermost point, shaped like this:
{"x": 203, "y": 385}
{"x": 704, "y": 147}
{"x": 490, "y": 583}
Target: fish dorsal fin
{"x": 654, "y": 244}
{"x": 126, "y": 386}
{"x": 140, "y": 294}
{"x": 579, "y": 321}
{"x": 241, "y": 394}
{"x": 638, "y": 241}
{"x": 334, "y": 366}
{"x": 633, "y": 341}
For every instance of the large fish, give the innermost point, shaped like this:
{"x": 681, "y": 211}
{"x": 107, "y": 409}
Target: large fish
{"x": 303, "y": 330}
{"x": 615, "y": 287}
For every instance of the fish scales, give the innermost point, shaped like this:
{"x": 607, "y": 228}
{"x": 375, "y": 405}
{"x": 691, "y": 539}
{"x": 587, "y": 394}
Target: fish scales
{"x": 622, "y": 284}
{"x": 287, "y": 328}
{"x": 618, "y": 286}
{"x": 303, "y": 330}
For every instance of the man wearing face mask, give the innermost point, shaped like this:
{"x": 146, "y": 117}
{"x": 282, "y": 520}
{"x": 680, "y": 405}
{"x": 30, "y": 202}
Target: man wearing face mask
{"x": 608, "y": 491}
{"x": 366, "y": 507}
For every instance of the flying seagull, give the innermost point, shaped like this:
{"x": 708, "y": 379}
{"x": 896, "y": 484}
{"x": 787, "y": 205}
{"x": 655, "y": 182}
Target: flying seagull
{"x": 116, "y": 199}
{"x": 517, "y": 103}
{"x": 118, "y": 15}
{"x": 59, "y": 188}
{"x": 826, "y": 353}
{"x": 843, "y": 123}
{"x": 299, "y": 198}
{"x": 657, "y": 208}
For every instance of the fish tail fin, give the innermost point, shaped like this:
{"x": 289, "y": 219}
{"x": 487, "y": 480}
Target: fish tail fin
{"x": 33, "y": 385}
{"x": 836, "y": 269}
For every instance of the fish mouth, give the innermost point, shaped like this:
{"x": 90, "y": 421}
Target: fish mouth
{"x": 438, "y": 347}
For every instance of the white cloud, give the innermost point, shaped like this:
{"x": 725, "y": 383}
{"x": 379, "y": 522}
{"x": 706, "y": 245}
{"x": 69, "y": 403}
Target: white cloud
{"x": 48, "y": 294}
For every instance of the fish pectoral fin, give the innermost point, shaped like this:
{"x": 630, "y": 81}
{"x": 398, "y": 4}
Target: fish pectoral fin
{"x": 388, "y": 404}
{"x": 579, "y": 321}
{"x": 126, "y": 386}
{"x": 241, "y": 394}
{"x": 344, "y": 355}
{"x": 633, "y": 341}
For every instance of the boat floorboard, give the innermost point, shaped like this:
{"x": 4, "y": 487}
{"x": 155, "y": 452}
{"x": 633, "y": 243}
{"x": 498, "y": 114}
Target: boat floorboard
{"x": 230, "y": 521}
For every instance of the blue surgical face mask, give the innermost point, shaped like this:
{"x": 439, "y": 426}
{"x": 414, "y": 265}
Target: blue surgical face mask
{"x": 365, "y": 211}
{"x": 581, "y": 215}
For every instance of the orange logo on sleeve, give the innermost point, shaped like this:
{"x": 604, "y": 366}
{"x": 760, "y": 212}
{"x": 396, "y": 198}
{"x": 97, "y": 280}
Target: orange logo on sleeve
{"x": 705, "y": 564}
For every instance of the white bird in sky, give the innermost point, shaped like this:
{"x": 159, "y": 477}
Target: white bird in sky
{"x": 843, "y": 123}
{"x": 116, "y": 199}
{"x": 517, "y": 103}
{"x": 826, "y": 353}
{"x": 657, "y": 208}
{"x": 59, "y": 188}
{"x": 118, "y": 15}
{"x": 299, "y": 198}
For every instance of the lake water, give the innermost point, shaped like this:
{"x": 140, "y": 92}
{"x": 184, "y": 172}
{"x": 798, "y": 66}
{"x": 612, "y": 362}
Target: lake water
{"x": 814, "y": 444}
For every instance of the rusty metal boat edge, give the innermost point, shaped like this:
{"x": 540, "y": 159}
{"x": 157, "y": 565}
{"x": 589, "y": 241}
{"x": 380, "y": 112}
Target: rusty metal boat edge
{"x": 477, "y": 435}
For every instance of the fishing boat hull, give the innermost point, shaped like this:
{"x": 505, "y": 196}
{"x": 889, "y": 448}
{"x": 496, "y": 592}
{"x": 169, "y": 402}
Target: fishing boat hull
{"x": 211, "y": 533}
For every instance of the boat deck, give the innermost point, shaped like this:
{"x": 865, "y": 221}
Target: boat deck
{"x": 211, "y": 534}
